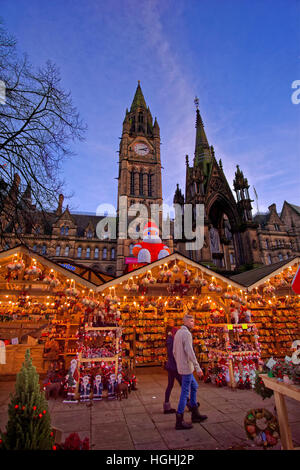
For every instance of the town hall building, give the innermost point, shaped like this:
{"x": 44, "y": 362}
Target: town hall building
{"x": 233, "y": 238}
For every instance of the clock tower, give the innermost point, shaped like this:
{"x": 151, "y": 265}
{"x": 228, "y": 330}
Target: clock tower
{"x": 139, "y": 166}
{"x": 139, "y": 163}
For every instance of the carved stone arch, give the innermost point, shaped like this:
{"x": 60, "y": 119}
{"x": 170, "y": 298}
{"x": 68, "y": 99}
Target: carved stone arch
{"x": 218, "y": 201}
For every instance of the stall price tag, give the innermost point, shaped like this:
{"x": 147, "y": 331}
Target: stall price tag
{"x": 244, "y": 326}
{"x": 230, "y": 327}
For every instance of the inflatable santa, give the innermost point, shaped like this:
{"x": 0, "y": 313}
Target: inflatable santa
{"x": 151, "y": 248}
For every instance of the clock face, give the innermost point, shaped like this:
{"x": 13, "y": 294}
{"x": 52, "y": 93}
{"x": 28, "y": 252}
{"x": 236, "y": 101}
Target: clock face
{"x": 141, "y": 149}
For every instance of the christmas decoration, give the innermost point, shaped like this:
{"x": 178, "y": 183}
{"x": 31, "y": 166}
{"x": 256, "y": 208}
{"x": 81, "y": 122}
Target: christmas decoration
{"x": 151, "y": 248}
{"x": 261, "y": 389}
{"x": 28, "y": 426}
{"x": 262, "y": 427}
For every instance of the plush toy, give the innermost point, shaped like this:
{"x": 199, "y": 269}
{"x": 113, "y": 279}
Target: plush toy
{"x": 97, "y": 388}
{"x": 151, "y": 248}
{"x": 71, "y": 380}
{"x": 85, "y": 388}
{"x": 235, "y": 315}
{"x": 111, "y": 387}
{"x": 121, "y": 391}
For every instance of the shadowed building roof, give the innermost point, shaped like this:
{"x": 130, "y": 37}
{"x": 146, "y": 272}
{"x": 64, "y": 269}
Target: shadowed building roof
{"x": 250, "y": 278}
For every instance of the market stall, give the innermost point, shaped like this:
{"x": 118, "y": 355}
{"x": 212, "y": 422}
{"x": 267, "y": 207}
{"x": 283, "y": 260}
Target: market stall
{"x": 159, "y": 294}
{"x": 275, "y": 308}
{"x": 41, "y": 309}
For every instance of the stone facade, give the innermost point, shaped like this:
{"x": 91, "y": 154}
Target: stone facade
{"x": 232, "y": 237}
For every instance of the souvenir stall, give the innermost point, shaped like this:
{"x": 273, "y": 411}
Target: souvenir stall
{"x": 41, "y": 308}
{"x": 275, "y": 308}
{"x": 159, "y": 294}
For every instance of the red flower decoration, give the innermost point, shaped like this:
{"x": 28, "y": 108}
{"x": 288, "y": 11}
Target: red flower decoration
{"x": 40, "y": 415}
{"x": 44, "y": 411}
{"x": 34, "y": 407}
{"x": 17, "y": 406}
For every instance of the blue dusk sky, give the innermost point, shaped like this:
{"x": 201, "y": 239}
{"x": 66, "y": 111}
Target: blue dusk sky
{"x": 240, "y": 57}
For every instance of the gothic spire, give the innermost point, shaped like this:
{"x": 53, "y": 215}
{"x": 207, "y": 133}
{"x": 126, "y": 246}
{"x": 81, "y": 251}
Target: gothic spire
{"x": 138, "y": 100}
{"x": 202, "y": 149}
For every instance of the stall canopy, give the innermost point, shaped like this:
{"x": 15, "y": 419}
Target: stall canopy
{"x": 257, "y": 277}
{"x": 9, "y": 276}
{"x": 170, "y": 260}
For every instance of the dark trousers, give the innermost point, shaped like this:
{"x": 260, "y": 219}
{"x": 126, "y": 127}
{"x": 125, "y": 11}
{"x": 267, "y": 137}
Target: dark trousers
{"x": 172, "y": 375}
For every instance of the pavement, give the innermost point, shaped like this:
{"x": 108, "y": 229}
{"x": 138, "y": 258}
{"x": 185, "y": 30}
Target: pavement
{"x": 138, "y": 423}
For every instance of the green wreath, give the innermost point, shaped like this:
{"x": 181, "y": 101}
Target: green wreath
{"x": 262, "y": 427}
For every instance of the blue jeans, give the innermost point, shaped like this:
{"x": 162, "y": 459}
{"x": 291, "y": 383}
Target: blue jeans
{"x": 189, "y": 385}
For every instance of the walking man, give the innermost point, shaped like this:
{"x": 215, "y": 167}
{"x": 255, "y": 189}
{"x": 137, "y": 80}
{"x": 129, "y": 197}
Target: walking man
{"x": 186, "y": 362}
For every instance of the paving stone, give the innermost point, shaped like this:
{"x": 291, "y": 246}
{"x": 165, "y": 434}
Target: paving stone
{"x": 139, "y": 419}
{"x": 103, "y": 417}
{"x": 70, "y": 421}
{"x": 144, "y": 435}
{"x": 182, "y": 438}
{"x": 154, "y": 445}
{"x": 121, "y": 445}
{"x": 110, "y": 435}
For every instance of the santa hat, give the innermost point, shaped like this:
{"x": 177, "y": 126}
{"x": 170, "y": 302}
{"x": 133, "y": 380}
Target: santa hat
{"x": 150, "y": 226}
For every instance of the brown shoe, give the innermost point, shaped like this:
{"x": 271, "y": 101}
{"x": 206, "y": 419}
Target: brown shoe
{"x": 196, "y": 416}
{"x": 180, "y": 424}
{"x": 167, "y": 409}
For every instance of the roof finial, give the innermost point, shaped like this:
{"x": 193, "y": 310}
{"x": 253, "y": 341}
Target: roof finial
{"x": 196, "y": 101}
{"x": 139, "y": 82}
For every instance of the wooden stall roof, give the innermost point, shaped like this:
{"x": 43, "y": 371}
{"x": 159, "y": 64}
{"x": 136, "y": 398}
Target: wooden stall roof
{"x": 173, "y": 257}
{"x": 256, "y": 277}
{"x": 94, "y": 275}
{"x": 22, "y": 249}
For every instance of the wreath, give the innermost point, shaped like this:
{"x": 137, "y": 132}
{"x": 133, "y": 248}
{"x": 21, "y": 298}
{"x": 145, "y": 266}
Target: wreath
{"x": 262, "y": 427}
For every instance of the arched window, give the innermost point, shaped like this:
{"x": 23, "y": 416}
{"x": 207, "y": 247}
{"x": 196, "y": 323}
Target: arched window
{"x": 280, "y": 257}
{"x": 34, "y": 248}
{"x": 132, "y": 182}
{"x": 131, "y": 248}
{"x": 141, "y": 178}
{"x": 89, "y": 234}
{"x": 88, "y": 252}
{"x": 62, "y": 230}
{"x": 96, "y": 253}
{"x": 150, "y": 180}
{"x": 44, "y": 249}
{"x": 141, "y": 117}
{"x": 104, "y": 253}
{"x": 79, "y": 252}
{"x": 66, "y": 230}
{"x": 37, "y": 230}
{"x": 269, "y": 259}
{"x": 113, "y": 251}
{"x": 57, "y": 252}
{"x": 267, "y": 243}
{"x": 67, "y": 250}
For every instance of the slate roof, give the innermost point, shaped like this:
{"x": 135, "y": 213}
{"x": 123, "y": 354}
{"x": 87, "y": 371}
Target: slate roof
{"x": 254, "y": 275}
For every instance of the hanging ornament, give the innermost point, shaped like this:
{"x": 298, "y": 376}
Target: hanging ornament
{"x": 175, "y": 268}
{"x": 169, "y": 273}
{"x": 186, "y": 273}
